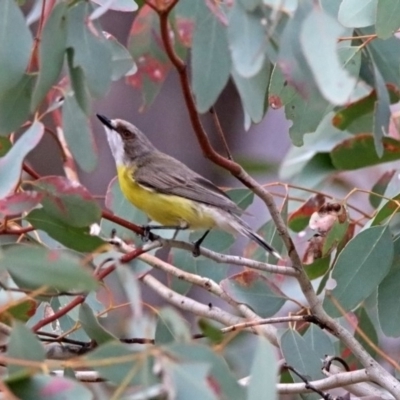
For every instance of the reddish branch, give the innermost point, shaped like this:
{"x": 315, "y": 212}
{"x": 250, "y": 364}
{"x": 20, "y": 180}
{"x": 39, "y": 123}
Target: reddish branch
{"x": 180, "y": 66}
{"x": 74, "y": 303}
{"x": 33, "y": 62}
{"x": 30, "y": 171}
{"x": 207, "y": 149}
{"x": 81, "y": 298}
{"x": 19, "y": 231}
{"x": 122, "y": 222}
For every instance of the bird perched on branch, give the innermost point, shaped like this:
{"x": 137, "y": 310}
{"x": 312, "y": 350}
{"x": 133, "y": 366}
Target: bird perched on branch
{"x": 168, "y": 191}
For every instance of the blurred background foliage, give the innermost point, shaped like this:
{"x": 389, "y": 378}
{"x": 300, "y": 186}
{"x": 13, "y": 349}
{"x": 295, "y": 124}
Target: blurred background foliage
{"x": 306, "y": 93}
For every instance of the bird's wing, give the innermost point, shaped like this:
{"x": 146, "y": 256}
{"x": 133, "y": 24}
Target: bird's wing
{"x": 185, "y": 182}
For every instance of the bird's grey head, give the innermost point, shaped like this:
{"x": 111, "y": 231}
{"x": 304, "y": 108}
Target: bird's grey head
{"x": 126, "y": 141}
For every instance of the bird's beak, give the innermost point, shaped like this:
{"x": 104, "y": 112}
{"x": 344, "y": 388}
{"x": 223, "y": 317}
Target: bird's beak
{"x": 105, "y": 121}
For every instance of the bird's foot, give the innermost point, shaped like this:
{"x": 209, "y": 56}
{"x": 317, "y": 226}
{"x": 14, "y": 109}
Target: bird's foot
{"x": 147, "y": 235}
{"x": 197, "y": 243}
{"x": 196, "y": 248}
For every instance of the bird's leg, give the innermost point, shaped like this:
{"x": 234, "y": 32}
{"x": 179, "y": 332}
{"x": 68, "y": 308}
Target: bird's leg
{"x": 148, "y": 228}
{"x": 198, "y": 242}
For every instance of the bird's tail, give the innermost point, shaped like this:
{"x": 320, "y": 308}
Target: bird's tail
{"x": 260, "y": 241}
{"x": 245, "y": 230}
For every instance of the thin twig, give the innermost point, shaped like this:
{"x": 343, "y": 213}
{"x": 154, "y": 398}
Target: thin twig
{"x": 29, "y": 170}
{"x": 33, "y": 61}
{"x": 221, "y": 132}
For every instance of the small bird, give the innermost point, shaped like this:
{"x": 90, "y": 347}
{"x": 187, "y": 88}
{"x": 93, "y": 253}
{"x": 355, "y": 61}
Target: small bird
{"x": 168, "y": 191}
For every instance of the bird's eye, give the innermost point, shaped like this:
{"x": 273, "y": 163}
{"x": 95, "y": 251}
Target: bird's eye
{"x": 126, "y": 134}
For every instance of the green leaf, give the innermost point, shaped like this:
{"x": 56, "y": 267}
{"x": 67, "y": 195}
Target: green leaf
{"x": 300, "y": 217}
{"x": 211, "y": 269}
{"x": 382, "y": 113}
{"x": 247, "y": 43}
{"x": 24, "y": 345}
{"x": 219, "y": 372}
{"x": 211, "y": 62}
{"x": 346, "y": 155}
{"x": 45, "y": 387}
{"x": 67, "y": 321}
{"x": 334, "y": 236}
{"x": 219, "y": 241}
{"x": 210, "y": 331}
{"x": 68, "y": 201}
{"x": 263, "y": 373}
{"x": 78, "y": 134}
{"x": 366, "y": 326}
{"x": 380, "y": 188}
{"x": 188, "y": 379}
{"x": 386, "y": 56}
{"x": 11, "y": 163}
{"x": 92, "y": 326}
{"x": 253, "y": 92}
{"x": 349, "y": 116}
{"x": 51, "y": 53}
{"x": 357, "y": 14}
{"x": 115, "y": 362}
{"x": 318, "y": 268}
{"x": 126, "y": 283}
{"x": 242, "y": 197}
{"x": 306, "y": 114}
{"x": 355, "y": 273}
{"x": 5, "y": 145}
{"x": 78, "y": 84}
{"x": 270, "y": 234}
{"x": 74, "y": 238}
{"x": 15, "y": 45}
{"x": 318, "y": 144}
{"x": 387, "y": 18}
{"x": 388, "y": 297}
{"x": 15, "y": 104}
{"x": 20, "y": 202}
{"x": 122, "y": 61}
{"x": 256, "y": 291}
{"x": 299, "y": 354}
{"x": 250, "y": 5}
{"x": 91, "y": 50}
{"x": 36, "y": 267}
{"x": 319, "y": 342}
{"x": 171, "y": 327}
{"x": 388, "y": 207}
{"x": 22, "y": 311}
{"x": 334, "y": 82}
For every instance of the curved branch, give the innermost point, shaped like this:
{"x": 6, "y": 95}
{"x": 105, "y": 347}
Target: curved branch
{"x": 187, "y": 304}
{"x": 332, "y": 382}
{"x": 211, "y": 286}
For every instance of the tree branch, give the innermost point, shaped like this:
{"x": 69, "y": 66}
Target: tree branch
{"x": 332, "y": 382}
{"x": 187, "y": 304}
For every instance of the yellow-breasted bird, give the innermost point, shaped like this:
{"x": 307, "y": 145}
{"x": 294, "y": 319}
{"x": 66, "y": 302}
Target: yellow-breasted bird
{"x": 168, "y": 191}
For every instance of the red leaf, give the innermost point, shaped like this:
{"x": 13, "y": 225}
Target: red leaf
{"x": 298, "y": 219}
{"x": 68, "y": 201}
{"x": 18, "y": 203}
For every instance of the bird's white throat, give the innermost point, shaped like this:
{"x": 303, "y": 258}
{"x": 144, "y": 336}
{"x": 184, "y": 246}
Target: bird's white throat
{"x": 116, "y": 145}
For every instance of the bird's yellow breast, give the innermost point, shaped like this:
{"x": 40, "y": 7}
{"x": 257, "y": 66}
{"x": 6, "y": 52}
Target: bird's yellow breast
{"x": 164, "y": 208}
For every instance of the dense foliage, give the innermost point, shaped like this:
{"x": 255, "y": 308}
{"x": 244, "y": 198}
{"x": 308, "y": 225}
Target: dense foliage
{"x": 78, "y": 308}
